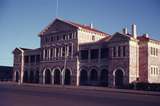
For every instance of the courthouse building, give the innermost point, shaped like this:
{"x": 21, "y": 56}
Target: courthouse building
{"x": 75, "y": 54}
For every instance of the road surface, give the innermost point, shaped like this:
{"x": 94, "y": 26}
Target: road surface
{"x": 15, "y": 95}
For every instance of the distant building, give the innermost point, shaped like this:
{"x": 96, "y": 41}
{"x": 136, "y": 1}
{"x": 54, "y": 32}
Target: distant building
{"x": 74, "y": 54}
{"x": 6, "y": 73}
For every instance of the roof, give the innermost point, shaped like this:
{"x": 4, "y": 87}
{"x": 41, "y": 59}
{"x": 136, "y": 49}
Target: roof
{"x": 145, "y": 38}
{"x": 103, "y": 40}
{"x": 25, "y": 48}
{"x": 77, "y": 25}
{"x": 85, "y": 27}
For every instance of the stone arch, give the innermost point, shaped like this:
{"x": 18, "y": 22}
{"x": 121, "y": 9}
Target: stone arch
{"x": 25, "y": 76}
{"x": 47, "y": 77}
{"x": 104, "y": 77}
{"x": 83, "y": 77}
{"x": 67, "y": 76}
{"x": 57, "y": 76}
{"x": 119, "y": 74}
{"x": 31, "y": 77}
{"x": 93, "y": 75}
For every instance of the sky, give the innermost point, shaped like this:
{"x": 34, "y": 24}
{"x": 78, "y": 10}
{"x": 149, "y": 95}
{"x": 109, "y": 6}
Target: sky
{"x": 22, "y": 20}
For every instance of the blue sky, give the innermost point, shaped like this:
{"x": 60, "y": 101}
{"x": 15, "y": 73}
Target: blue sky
{"x": 22, "y": 20}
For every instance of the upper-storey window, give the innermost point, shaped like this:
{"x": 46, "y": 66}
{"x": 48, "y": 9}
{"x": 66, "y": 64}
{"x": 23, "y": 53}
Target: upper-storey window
{"x": 93, "y": 38}
{"x": 84, "y": 54}
{"x": 94, "y": 54}
{"x": 70, "y": 50}
{"x": 52, "y": 38}
{"x": 154, "y": 51}
{"x": 114, "y": 51}
{"x": 37, "y": 58}
{"x": 124, "y": 51}
{"x": 26, "y": 59}
{"x": 119, "y": 51}
{"x": 63, "y": 51}
{"x": 64, "y": 37}
{"x": 58, "y": 38}
{"x": 104, "y": 53}
{"x": 70, "y": 35}
{"x": 32, "y": 58}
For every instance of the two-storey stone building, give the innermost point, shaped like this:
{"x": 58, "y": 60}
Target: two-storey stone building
{"x": 74, "y": 54}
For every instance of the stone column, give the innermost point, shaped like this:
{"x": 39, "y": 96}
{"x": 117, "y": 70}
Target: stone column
{"x": 49, "y": 54}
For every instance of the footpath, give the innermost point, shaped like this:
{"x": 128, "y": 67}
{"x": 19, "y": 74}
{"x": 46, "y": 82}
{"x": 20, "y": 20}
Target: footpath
{"x": 100, "y": 89}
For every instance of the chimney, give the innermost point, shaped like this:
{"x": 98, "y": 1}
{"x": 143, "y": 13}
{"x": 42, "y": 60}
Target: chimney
{"x": 134, "y": 31}
{"x": 125, "y": 31}
{"x": 91, "y": 26}
{"x": 146, "y": 35}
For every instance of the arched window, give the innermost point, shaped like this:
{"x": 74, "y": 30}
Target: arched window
{"x": 47, "y": 77}
{"x": 67, "y": 79}
{"x": 93, "y": 75}
{"x": 83, "y": 77}
{"x": 119, "y": 78}
{"x": 57, "y": 76}
{"x": 104, "y": 77}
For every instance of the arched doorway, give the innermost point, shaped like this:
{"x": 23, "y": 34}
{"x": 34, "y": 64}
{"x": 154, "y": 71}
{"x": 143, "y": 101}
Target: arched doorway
{"x": 31, "y": 78}
{"x": 93, "y": 77}
{"x": 25, "y": 77}
{"x": 83, "y": 77}
{"x": 67, "y": 78}
{"x": 119, "y": 78}
{"x": 104, "y": 77}
{"x": 47, "y": 77}
{"x": 17, "y": 76}
{"x": 37, "y": 77}
{"x": 57, "y": 76}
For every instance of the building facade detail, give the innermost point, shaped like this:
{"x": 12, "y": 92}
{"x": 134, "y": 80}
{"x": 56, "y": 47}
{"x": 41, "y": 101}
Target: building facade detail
{"x": 75, "y": 54}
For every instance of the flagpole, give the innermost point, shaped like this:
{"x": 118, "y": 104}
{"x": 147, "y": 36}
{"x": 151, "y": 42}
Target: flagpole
{"x": 57, "y": 9}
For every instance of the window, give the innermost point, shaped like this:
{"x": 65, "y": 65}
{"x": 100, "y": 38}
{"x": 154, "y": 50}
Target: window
{"x": 119, "y": 51}
{"x": 70, "y": 50}
{"x": 151, "y": 70}
{"x": 93, "y": 38}
{"x": 46, "y": 39}
{"x": 124, "y": 51}
{"x": 94, "y": 54}
{"x": 114, "y": 51}
{"x": 64, "y": 37}
{"x": 32, "y": 58}
{"x": 26, "y": 59}
{"x": 154, "y": 51}
{"x": 57, "y": 38}
{"x": 51, "y": 52}
{"x": 84, "y": 54}
{"x": 37, "y": 58}
{"x": 52, "y": 38}
{"x": 70, "y": 35}
{"x": 151, "y": 51}
{"x": 45, "y": 52}
{"x": 104, "y": 53}
{"x": 63, "y": 51}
